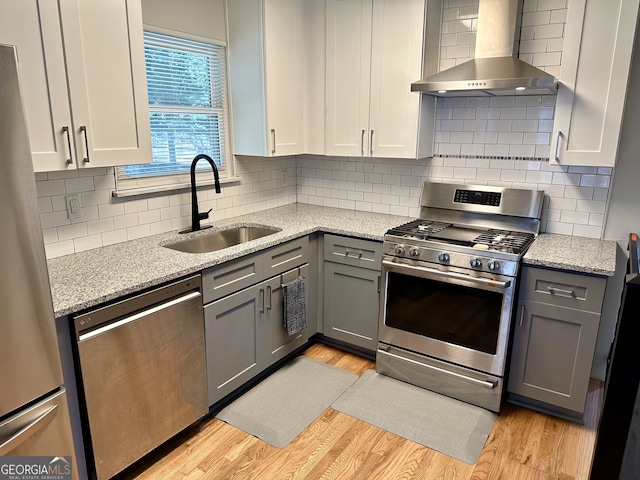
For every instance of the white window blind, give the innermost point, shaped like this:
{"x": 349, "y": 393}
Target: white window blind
{"x": 187, "y": 107}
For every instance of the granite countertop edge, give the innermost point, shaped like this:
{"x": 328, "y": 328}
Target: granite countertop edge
{"x": 87, "y": 279}
{"x": 572, "y": 253}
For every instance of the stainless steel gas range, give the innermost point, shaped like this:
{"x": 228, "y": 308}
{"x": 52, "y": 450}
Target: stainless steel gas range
{"x": 449, "y": 283}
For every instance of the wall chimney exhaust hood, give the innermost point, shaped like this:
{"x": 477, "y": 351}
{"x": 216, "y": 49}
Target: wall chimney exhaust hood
{"x": 495, "y": 70}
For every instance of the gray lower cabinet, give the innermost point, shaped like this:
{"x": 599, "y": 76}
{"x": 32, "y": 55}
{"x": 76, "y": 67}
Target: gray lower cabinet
{"x": 277, "y": 342}
{"x": 555, "y": 331}
{"x": 244, "y": 316}
{"x": 352, "y": 290}
{"x": 234, "y": 352}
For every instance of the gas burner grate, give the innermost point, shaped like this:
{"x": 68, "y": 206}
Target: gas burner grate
{"x": 514, "y": 242}
{"x": 419, "y": 228}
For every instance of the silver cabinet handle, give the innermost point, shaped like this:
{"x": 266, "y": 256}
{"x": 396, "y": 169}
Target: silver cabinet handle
{"x": 65, "y": 130}
{"x": 262, "y": 300}
{"x": 371, "y": 144}
{"x": 269, "y": 294}
{"x": 379, "y": 280}
{"x": 83, "y": 130}
{"x": 561, "y": 291}
{"x": 558, "y": 145}
{"x": 522, "y": 315}
{"x": 273, "y": 139}
{"x": 28, "y": 431}
{"x": 362, "y": 143}
{"x": 348, "y": 252}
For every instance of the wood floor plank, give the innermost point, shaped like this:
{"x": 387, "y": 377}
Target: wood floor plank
{"x": 523, "y": 445}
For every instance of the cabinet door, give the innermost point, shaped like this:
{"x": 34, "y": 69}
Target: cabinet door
{"x": 552, "y": 354}
{"x": 33, "y": 27}
{"x": 278, "y": 343}
{"x": 234, "y": 349}
{"x": 351, "y": 304}
{"x": 266, "y": 76}
{"x": 348, "y": 73}
{"x": 396, "y": 61}
{"x": 104, "y": 54}
{"x": 284, "y": 65}
{"x": 596, "y": 60}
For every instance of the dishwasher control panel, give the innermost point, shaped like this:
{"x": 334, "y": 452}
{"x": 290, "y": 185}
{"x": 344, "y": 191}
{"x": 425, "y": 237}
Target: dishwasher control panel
{"x": 129, "y": 306}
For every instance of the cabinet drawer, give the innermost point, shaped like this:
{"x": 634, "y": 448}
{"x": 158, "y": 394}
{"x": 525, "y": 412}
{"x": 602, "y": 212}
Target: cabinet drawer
{"x": 353, "y": 251}
{"x": 232, "y": 276}
{"x": 284, "y": 257}
{"x": 582, "y": 292}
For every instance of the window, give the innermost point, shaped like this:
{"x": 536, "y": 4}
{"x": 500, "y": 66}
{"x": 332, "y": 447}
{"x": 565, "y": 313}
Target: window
{"x": 187, "y": 109}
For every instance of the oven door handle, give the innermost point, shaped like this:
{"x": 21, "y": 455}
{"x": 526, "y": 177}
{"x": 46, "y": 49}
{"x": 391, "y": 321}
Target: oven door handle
{"x": 483, "y": 383}
{"x": 459, "y": 276}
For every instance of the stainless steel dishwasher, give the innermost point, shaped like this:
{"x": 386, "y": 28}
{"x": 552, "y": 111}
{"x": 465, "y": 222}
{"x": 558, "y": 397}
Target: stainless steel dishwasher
{"x": 143, "y": 371}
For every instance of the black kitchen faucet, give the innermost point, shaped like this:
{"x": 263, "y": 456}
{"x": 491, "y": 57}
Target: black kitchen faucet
{"x": 196, "y": 216}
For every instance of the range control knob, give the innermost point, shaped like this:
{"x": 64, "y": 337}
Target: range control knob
{"x": 493, "y": 265}
{"x": 444, "y": 257}
{"x": 414, "y": 252}
{"x": 476, "y": 262}
{"x": 399, "y": 249}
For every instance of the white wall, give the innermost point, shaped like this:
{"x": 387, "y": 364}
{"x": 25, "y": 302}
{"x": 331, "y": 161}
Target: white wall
{"x": 623, "y": 214}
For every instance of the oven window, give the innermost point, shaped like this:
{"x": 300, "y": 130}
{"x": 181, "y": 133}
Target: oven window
{"x": 464, "y": 316}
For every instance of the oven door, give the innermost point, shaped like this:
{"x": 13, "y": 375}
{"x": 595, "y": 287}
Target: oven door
{"x": 447, "y": 313}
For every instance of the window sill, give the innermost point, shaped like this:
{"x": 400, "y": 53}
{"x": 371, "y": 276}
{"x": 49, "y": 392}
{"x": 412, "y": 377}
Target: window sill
{"x": 131, "y": 192}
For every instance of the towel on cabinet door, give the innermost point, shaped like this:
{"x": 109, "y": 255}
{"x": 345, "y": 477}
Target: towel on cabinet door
{"x": 295, "y": 306}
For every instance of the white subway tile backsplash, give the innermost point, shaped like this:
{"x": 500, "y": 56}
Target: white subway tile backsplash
{"x": 521, "y": 151}
{"x": 87, "y": 243}
{"x": 540, "y": 17}
{"x": 80, "y": 184}
{"x": 560, "y": 228}
{"x": 587, "y": 231}
{"x": 533, "y": 46}
{"x": 552, "y": 30}
{"x": 526, "y": 126}
{"x": 69, "y": 232}
{"x": 46, "y": 188}
{"x": 601, "y": 181}
{"x": 551, "y": 4}
{"x": 510, "y": 137}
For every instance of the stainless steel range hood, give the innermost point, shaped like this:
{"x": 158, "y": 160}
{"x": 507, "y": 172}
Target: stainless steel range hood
{"x": 495, "y": 70}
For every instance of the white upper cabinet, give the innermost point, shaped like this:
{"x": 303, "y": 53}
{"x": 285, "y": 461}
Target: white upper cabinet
{"x": 266, "y": 76}
{"x": 596, "y": 59}
{"x": 374, "y": 51}
{"x": 94, "y": 113}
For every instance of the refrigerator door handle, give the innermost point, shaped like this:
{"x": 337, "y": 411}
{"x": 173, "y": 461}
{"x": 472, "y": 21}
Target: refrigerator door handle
{"x": 28, "y": 431}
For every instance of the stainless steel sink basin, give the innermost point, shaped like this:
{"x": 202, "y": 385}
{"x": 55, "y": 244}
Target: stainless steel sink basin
{"x": 220, "y": 239}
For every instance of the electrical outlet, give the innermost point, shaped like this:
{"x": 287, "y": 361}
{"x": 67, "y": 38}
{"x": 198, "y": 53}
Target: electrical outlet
{"x": 73, "y": 206}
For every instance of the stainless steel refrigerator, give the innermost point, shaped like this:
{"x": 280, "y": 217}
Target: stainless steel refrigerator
{"x": 34, "y": 416}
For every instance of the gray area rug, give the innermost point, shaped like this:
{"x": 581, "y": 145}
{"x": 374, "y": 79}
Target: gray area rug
{"x": 441, "y": 423}
{"x": 280, "y": 407}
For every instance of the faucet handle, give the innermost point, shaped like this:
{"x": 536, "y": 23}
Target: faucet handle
{"x": 204, "y": 215}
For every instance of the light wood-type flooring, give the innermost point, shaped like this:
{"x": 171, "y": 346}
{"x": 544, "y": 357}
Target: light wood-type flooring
{"x": 523, "y": 445}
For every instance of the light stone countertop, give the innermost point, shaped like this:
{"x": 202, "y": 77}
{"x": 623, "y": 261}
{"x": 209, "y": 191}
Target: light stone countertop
{"x": 575, "y": 254}
{"x": 86, "y": 279}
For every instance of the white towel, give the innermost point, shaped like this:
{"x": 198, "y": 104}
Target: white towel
{"x": 295, "y": 306}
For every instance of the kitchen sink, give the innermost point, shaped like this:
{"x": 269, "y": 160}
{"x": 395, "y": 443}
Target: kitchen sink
{"x": 220, "y": 239}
